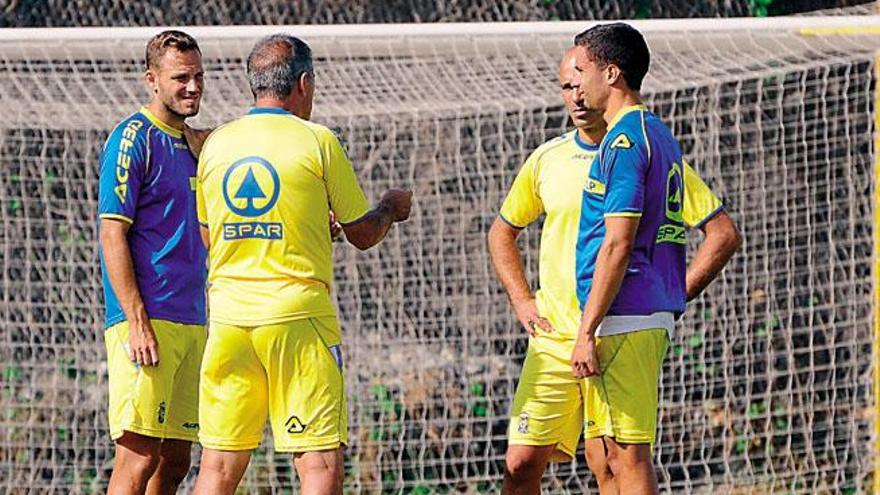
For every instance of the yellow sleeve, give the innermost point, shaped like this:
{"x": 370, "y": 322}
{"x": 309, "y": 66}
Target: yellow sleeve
{"x": 347, "y": 199}
{"x": 523, "y": 204}
{"x": 201, "y": 209}
{"x": 700, "y": 203}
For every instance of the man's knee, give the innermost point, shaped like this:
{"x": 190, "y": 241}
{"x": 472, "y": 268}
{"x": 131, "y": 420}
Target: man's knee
{"x": 597, "y": 459}
{"x": 522, "y": 465}
{"x": 137, "y": 456}
{"x": 623, "y": 458}
{"x": 319, "y": 471}
{"x": 175, "y": 462}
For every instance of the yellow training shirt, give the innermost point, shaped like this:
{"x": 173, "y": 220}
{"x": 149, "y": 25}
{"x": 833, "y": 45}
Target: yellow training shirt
{"x": 266, "y": 184}
{"x": 552, "y": 181}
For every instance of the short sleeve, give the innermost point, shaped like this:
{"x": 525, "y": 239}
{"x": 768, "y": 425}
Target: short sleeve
{"x": 347, "y": 199}
{"x": 625, "y": 167}
{"x": 700, "y": 203}
{"x": 201, "y": 208}
{"x": 123, "y": 166}
{"x": 523, "y": 204}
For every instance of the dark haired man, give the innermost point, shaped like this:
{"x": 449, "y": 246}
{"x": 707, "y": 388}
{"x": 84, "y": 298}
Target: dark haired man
{"x": 547, "y": 413}
{"x": 153, "y": 265}
{"x": 630, "y": 261}
{"x": 266, "y": 184}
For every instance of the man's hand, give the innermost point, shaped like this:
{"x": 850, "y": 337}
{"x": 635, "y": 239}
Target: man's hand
{"x": 195, "y": 138}
{"x": 335, "y": 228}
{"x": 585, "y": 359}
{"x": 527, "y": 314}
{"x": 399, "y": 202}
{"x": 143, "y": 349}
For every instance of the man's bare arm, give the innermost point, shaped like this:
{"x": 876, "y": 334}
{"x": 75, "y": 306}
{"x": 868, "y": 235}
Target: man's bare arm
{"x": 507, "y": 260}
{"x": 371, "y": 228}
{"x": 143, "y": 346}
{"x": 611, "y": 263}
{"x": 721, "y": 242}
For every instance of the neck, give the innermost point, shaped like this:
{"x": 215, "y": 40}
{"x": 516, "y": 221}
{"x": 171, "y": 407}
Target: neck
{"x": 617, "y": 101}
{"x": 289, "y": 104}
{"x": 167, "y": 117}
{"x": 271, "y": 102}
{"x": 591, "y": 135}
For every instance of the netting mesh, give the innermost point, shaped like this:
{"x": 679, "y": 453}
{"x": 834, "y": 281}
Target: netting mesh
{"x": 767, "y": 388}
{"x": 68, "y": 13}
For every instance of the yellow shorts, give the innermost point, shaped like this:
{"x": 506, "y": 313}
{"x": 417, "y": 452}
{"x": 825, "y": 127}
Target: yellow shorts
{"x": 548, "y": 407}
{"x": 290, "y": 372}
{"x": 622, "y": 401}
{"x": 157, "y": 401}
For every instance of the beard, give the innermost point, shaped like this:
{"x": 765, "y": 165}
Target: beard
{"x": 180, "y": 110}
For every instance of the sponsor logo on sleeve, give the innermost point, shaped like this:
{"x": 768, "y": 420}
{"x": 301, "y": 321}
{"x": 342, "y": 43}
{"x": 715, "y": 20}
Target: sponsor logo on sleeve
{"x": 123, "y": 158}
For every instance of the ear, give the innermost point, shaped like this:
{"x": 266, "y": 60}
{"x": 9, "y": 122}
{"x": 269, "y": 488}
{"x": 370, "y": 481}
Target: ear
{"x": 305, "y": 83}
{"x": 613, "y": 74}
{"x": 150, "y": 79}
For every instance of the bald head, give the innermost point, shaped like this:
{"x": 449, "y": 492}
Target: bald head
{"x": 566, "y": 65}
{"x": 275, "y": 65}
{"x": 570, "y": 83}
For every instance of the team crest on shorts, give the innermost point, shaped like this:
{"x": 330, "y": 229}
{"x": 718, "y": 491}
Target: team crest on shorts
{"x": 523, "y": 423}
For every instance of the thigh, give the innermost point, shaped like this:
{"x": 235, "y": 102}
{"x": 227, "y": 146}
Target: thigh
{"x": 233, "y": 391}
{"x": 303, "y": 362}
{"x": 547, "y": 407}
{"x": 140, "y": 396}
{"x": 622, "y": 401}
{"x": 182, "y": 418}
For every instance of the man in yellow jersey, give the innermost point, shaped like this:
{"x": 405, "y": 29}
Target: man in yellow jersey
{"x": 153, "y": 265}
{"x": 547, "y": 415}
{"x": 266, "y": 184}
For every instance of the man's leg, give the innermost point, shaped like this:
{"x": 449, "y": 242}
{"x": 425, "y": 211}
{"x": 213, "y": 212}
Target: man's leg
{"x": 221, "y": 471}
{"x": 137, "y": 457}
{"x": 174, "y": 462}
{"x": 632, "y": 467}
{"x": 598, "y": 462}
{"x": 524, "y": 467}
{"x": 232, "y": 408}
{"x": 621, "y": 406}
{"x": 546, "y": 419}
{"x": 320, "y": 472}
{"x": 175, "y": 456}
{"x": 307, "y": 408}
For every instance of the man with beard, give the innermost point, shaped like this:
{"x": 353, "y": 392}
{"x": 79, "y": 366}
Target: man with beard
{"x": 153, "y": 264}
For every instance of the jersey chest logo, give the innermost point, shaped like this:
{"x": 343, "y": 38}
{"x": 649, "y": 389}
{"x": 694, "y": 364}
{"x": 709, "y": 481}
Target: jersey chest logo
{"x": 594, "y": 187}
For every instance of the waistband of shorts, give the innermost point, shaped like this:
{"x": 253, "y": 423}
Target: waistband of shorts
{"x": 617, "y": 324}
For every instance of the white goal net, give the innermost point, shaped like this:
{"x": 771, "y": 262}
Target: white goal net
{"x": 768, "y": 387}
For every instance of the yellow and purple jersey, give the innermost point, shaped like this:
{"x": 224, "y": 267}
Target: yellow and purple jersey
{"x": 266, "y": 184}
{"x": 147, "y": 179}
{"x": 639, "y": 172}
{"x": 551, "y": 182}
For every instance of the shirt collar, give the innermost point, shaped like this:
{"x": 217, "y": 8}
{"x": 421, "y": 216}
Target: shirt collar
{"x": 623, "y": 111}
{"x": 167, "y": 129}
{"x": 268, "y": 110}
{"x": 583, "y": 144}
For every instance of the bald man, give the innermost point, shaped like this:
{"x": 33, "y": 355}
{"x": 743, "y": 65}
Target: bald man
{"x": 549, "y": 411}
{"x": 265, "y": 186}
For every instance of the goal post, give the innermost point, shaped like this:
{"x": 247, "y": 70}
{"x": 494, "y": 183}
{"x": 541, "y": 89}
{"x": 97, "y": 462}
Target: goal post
{"x": 770, "y": 385}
